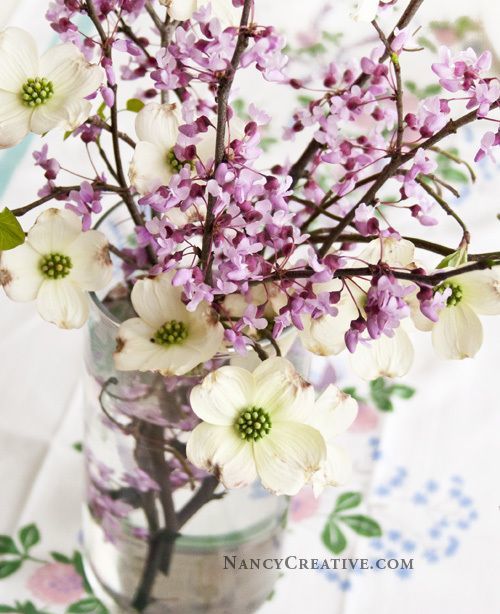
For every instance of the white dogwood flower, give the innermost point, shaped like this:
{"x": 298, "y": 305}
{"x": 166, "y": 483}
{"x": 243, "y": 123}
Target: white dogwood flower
{"x": 325, "y": 336}
{"x": 333, "y": 414}
{"x": 57, "y": 266}
{"x": 458, "y": 333}
{"x": 181, "y": 10}
{"x": 166, "y": 337}
{"x": 254, "y": 425}
{"x": 154, "y": 162}
{"x": 38, "y": 94}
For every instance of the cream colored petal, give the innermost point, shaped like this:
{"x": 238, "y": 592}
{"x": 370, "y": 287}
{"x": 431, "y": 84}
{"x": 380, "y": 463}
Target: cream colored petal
{"x": 219, "y": 450}
{"x": 205, "y": 331}
{"x": 334, "y": 471}
{"x": 324, "y": 336}
{"x": 149, "y": 169}
{"x": 14, "y": 119}
{"x": 20, "y": 273}
{"x": 54, "y": 230}
{"x": 384, "y": 357}
{"x": 181, "y": 10}
{"x": 458, "y": 334}
{"x": 63, "y": 303}
{"x": 420, "y": 321}
{"x": 18, "y": 59}
{"x": 156, "y": 301}
{"x": 71, "y": 75}
{"x": 158, "y": 124}
{"x": 89, "y": 253}
{"x": 77, "y": 111}
{"x": 396, "y": 253}
{"x": 134, "y": 349}
{"x": 222, "y": 395}
{"x": 47, "y": 116}
{"x": 481, "y": 290}
{"x": 288, "y": 457}
{"x": 333, "y": 413}
{"x": 281, "y": 391}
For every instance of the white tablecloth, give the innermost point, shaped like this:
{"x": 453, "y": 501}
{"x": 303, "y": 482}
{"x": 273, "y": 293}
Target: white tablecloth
{"x": 428, "y": 471}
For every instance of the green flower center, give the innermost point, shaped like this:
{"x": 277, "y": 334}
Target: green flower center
{"x": 456, "y": 295}
{"x": 37, "y": 91}
{"x": 55, "y": 266}
{"x": 171, "y": 333}
{"x": 253, "y": 424}
{"x": 174, "y": 164}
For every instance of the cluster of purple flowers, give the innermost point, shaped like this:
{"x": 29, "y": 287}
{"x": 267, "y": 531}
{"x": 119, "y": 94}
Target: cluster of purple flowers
{"x": 263, "y": 231}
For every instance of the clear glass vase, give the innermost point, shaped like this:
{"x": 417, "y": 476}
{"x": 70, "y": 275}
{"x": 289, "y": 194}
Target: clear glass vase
{"x": 156, "y": 530}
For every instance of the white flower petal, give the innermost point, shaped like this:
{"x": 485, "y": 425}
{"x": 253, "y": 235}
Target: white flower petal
{"x": 481, "y": 290}
{"x": 89, "y": 253}
{"x": 334, "y": 471}
{"x": 384, "y": 357}
{"x": 54, "y": 230}
{"x": 420, "y": 321}
{"x": 219, "y": 450}
{"x": 333, "y": 413}
{"x": 71, "y": 75}
{"x": 20, "y": 273}
{"x": 458, "y": 334}
{"x": 222, "y": 395}
{"x": 149, "y": 169}
{"x": 46, "y": 117}
{"x": 288, "y": 457}
{"x": 394, "y": 252}
{"x": 181, "y": 10}
{"x": 135, "y": 351}
{"x": 18, "y": 59}
{"x": 63, "y": 303}
{"x": 281, "y": 391}
{"x": 325, "y": 336}
{"x": 156, "y": 301}
{"x": 158, "y": 124}
{"x": 14, "y": 119}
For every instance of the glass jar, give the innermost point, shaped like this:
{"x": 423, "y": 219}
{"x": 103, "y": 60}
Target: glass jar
{"x": 159, "y": 535}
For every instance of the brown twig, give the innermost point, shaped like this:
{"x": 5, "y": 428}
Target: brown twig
{"x": 392, "y": 167}
{"x": 224, "y": 89}
{"x": 95, "y": 120}
{"x": 313, "y": 147}
{"x": 446, "y": 208}
{"x": 61, "y": 192}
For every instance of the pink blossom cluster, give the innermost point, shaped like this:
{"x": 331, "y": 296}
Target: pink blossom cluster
{"x": 264, "y": 243}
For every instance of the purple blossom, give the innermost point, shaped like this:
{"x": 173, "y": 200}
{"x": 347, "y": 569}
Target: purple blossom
{"x": 50, "y": 165}
{"x": 385, "y": 306}
{"x": 87, "y": 201}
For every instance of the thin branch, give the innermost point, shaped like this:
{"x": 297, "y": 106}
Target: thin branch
{"x": 398, "y": 90}
{"x": 456, "y": 159}
{"x": 313, "y": 147}
{"x": 204, "y": 494}
{"x": 446, "y": 208}
{"x": 60, "y": 193}
{"x": 100, "y": 123}
{"x": 433, "y": 279}
{"x": 135, "y": 214}
{"x": 223, "y": 92}
{"x": 392, "y": 167}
